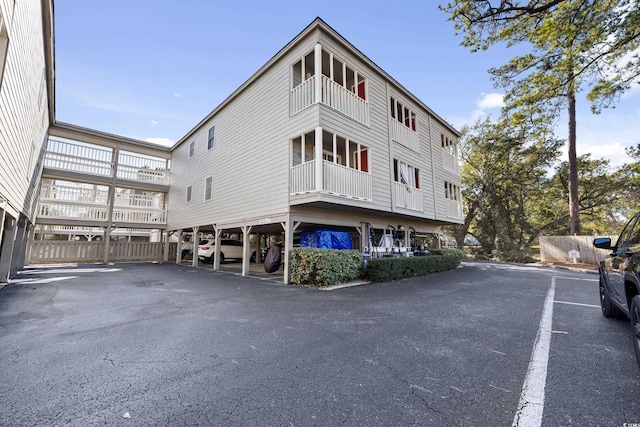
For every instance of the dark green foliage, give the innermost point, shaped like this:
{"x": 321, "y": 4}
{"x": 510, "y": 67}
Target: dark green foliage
{"x": 324, "y": 267}
{"x": 384, "y": 269}
{"x": 458, "y": 253}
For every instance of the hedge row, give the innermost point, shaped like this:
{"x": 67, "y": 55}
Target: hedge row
{"x": 384, "y": 269}
{"x": 324, "y": 267}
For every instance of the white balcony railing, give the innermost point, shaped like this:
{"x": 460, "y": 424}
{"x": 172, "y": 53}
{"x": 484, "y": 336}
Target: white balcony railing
{"x": 454, "y": 209}
{"x": 408, "y": 198}
{"x": 336, "y": 179}
{"x": 405, "y": 136}
{"x": 94, "y": 160}
{"x": 76, "y": 194}
{"x": 347, "y": 182}
{"x": 303, "y": 178}
{"x": 303, "y": 95}
{"x": 67, "y": 156}
{"x": 339, "y": 98}
{"x": 139, "y": 200}
{"x": 449, "y": 161}
{"x": 72, "y": 210}
{"x": 142, "y": 168}
{"x": 138, "y": 215}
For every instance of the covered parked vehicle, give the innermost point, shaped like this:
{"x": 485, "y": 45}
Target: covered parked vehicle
{"x": 229, "y": 249}
{"x": 619, "y": 283}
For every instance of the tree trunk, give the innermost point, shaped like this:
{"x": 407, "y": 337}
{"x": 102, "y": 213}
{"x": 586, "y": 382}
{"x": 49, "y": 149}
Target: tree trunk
{"x": 574, "y": 208}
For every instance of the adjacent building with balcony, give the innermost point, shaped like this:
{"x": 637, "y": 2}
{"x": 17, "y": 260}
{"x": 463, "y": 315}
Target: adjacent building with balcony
{"x": 26, "y": 110}
{"x": 320, "y": 137}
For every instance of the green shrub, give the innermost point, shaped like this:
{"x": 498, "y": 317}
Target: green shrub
{"x": 458, "y": 253}
{"x": 385, "y": 269}
{"x": 324, "y": 267}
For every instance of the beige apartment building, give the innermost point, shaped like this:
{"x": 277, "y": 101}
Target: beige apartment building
{"x": 318, "y": 138}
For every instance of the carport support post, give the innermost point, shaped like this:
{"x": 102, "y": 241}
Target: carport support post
{"x": 258, "y": 248}
{"x": 165, "y": 236}
{"x": 19, "y": 246}
{"x": 179, "y": 251}
{"x": 288, "y": 246}
{"x": 194, "y": 246}
{"x": 115, "y": 154}
{"x": 216, "y": 251}
{"x": 246, "y": 249}
{"x": 6, "y": 247}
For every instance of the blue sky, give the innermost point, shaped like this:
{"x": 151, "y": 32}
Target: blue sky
{"x": 152, "y": 70}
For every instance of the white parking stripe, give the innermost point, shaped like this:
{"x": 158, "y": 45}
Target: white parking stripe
{"x": 531, "y": 405}
{"x": 577, "y": 303}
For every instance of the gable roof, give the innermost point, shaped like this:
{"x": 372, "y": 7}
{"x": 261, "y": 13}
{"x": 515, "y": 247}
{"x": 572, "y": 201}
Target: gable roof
{"x": 316, "y": 24}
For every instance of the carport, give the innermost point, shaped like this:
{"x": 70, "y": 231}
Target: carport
{"x": 357, "y": 222}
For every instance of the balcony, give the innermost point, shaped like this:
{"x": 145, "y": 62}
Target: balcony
{"x": 88, "y": 159}
{"x": 62, "y": 201}
{"x": 449, "y": 161}
{"x": 339, "y": 98}
{"x": 405, "y": 136}
{"x": 408, "y": 198}
{"x": 336, "y": 180}
{"x": 333, "y": 95}
{"x": 454, "y": 209}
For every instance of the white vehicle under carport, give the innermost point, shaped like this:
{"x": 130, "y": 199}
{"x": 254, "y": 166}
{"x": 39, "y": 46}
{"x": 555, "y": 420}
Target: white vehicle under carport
{"x": 229, "y": 249}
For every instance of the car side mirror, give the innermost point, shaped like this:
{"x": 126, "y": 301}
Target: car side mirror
{"x": 603, "y": 243}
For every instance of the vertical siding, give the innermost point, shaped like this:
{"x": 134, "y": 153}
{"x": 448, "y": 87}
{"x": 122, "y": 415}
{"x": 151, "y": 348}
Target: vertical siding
{"x": 23, "y": 106}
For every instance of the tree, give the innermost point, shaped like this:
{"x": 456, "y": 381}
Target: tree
{"x": 502, "y": 164}
{"x": 570, "y": 45}
{"x": 603, "y": 195}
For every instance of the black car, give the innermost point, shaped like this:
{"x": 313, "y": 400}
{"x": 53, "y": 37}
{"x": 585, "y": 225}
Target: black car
{"x": 620, "y": 278}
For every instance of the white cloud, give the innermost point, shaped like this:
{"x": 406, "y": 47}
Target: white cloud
{"x": 177, "y": 95}
{"x": 490, "y": 100}
{"x": 487, "y": 101}
{"x": 160, "y": 141}
{"x": 154, "y": 122}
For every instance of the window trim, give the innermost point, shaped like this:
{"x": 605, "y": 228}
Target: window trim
{"x": 189, "y": 194}
{"x": 208, "y": 188}
{"x": 4, "y": 45}
{"x": 192, "y": 149}
{"x": 211, "y": 141}
{"x": 412, "y": 170}
{"x": 451, "y": 189}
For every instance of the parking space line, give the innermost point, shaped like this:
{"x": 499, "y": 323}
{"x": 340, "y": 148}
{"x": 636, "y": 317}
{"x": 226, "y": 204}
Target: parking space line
{"x": 577, "y": 303}
{"x": 531, "y": 404}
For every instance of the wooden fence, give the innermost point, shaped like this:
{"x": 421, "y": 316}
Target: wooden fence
{"x": 556, "y": 248}
{"x": 55, "y": 251}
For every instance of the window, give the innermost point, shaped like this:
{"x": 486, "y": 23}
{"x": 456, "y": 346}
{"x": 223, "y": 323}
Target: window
{"x": 335, "y": 149}
{"x": 189, "y": 190}
{"x": 406, "y": 174}
{"x": 212, "y": 137}
{"x": 192, "y": 149}
{"x": 302, "y": 148}
{"x": 4, "y": 45}
{"x": 208, "y": 187}
{"x": 403, "y": 114}
{"x": 451, "y": 191}
{"x": 343, "y": 151}
{"x": 332, "y": 68}
{"x": 303, "y": 69}
{"x": 344, "y": 75}
{"x": 448, "y": 145}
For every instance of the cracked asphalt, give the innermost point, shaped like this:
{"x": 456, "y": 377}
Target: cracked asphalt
{"x": 160, "y": 344}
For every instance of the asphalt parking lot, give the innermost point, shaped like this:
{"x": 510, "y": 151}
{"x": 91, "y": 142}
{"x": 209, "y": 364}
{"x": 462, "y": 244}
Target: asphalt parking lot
{"x": 163, "y": 344}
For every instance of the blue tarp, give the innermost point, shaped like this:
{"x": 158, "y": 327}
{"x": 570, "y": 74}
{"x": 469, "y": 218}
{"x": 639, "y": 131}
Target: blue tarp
{"x": 326, "y": 239}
